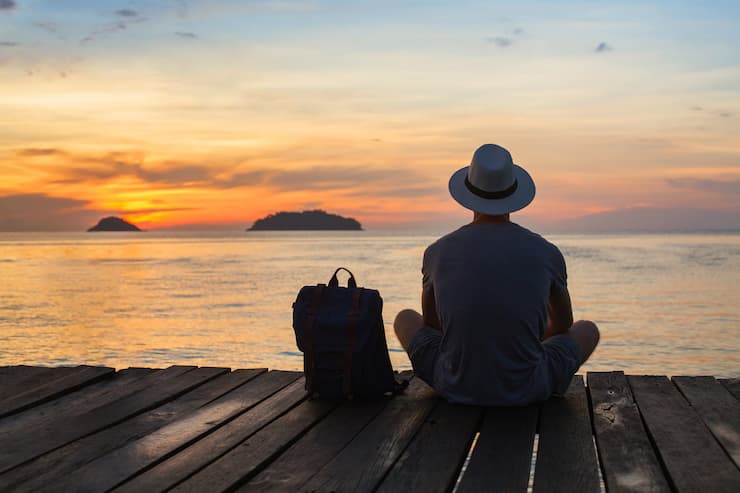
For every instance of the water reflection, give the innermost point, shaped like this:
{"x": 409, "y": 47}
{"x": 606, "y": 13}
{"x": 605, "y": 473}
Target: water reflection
{"x": 666, "y": 303}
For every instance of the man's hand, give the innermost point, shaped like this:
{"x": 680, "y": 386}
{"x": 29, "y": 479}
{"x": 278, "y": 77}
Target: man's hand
{"x": 559, "y": 313}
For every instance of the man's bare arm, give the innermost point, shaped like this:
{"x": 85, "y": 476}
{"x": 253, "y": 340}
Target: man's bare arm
{"x": 559, "y": 313}
{"x": 429, "y": 309}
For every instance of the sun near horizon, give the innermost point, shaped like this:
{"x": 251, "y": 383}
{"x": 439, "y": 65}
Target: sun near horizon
{"x": 214, "y": 114}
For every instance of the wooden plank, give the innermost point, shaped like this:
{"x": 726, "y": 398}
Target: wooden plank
{"x": 732, "y": 385}
{"x": 502, "y": 457}
{"x": 694, "y": 460}
{"x": 137, "y": 371}
{"x": 439, "y": 449}
{"x": 107, "y": 415}
{"x": 566, "y": 458}
{"x": 73, "y": 380}
{"x": 111, "y": 469}
{"x": 18, "y": 379}
{"x": 315, "y": 449}
{"x": 627, "y": 458}
{"x": 51, "y": 467}
{"x": 208, "y": 449}
{"x": 366, "y": 460}
{"x": 719, "y": 410}
{"x": 241, "y": 462}
{"x": 48, "y": 415}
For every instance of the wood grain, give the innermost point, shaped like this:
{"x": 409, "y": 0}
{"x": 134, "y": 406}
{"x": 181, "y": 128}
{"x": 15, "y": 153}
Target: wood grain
{"x": 566, "y": 457}
{"x": 627, "y": 456}
{"x": 439, "y": 448}
{"x": 52, "y": 467}
{"x": 71, "y": 381}
{"x": 502, "y": 457}
{"x": 719, "y": 410}
{"x": 209, "y": 448}
{"x": 111, "y": 469}
{"x": 378, "y": 445}
{"x": 694, "y": 460}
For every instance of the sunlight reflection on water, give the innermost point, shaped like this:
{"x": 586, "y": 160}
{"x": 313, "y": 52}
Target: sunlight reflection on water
{"x": 667, "y": 304}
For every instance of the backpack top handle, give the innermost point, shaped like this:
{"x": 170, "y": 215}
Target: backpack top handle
{"x": 351, "y": 283}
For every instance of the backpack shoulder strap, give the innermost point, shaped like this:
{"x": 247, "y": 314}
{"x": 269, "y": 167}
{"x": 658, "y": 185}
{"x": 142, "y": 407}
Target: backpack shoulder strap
{"x": 354, "y": 313}
{"x": 309, "y": 362}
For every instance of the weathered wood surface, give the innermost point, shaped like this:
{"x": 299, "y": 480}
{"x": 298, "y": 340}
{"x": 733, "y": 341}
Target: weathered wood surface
{"x": 732, "y": 385}
{"x": 502, "y": 457}
{"x": 692, "y": 456}
{"x": 628, "y": 461}
{"x": 565, "y": 432}
{"x": 438, "y": 449}
{"x": 42, "y": 470}
{"x": 719, "y": 410}
{"x": 210, "y": 429}
{"x": 71, "y": 380}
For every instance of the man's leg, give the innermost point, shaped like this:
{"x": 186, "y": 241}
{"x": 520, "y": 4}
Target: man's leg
{"x": 567, "y": 351}
{"x": 407, "y": 323}
{"x": 586, "y": 334}
{"x": 420, "y": 342}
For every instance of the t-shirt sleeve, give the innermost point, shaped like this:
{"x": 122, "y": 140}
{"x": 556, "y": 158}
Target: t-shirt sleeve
{"x": 559, "y": 272}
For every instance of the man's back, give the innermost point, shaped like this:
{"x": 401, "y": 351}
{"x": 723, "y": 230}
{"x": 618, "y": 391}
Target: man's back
{"x": 491, "y": 283}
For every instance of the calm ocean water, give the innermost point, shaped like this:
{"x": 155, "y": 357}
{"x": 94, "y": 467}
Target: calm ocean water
{"x": 666, "y": 304}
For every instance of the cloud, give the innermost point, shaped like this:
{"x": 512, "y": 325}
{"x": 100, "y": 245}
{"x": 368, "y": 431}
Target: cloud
{"x": 129, "y": 17}
{"x": 697, "y": 108}
{"x": 109, "y": 168}
{"x": 729, "y": 186}
{"x": 725, "y": 114}
{"x": 603, "y": 47}
{"x": 127, "y": 13}
{"x": 7, "y": 5}
{"x": 186, "y": 35}
{"x": 119, "y": 26}
{"x": 323, "y": 178}
{"x": 500, "y": 41}
{"x": 134, "y": 169}
{"x": 50, "y": 28}
{"x": 518, "y": 31}
{"x": 37, "y": 151}
{"x": 376, "y": 183}
{"x": 41, "y": 212}
{"x": 8, "y": 43}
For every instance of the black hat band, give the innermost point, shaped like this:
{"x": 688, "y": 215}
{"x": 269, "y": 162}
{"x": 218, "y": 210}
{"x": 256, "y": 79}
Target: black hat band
{"x": 500, "y": 194}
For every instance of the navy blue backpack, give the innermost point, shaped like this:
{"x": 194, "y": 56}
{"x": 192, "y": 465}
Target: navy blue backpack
{"x": 340, "y": 331}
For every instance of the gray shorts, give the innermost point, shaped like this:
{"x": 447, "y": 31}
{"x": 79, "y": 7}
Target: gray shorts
{"x": 562, "y": 358}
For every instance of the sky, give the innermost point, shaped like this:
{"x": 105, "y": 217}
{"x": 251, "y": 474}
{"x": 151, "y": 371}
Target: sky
{"x": 212, "y": 114}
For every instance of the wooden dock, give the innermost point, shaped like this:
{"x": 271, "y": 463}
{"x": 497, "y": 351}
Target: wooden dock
{"x": 92, "y": 429}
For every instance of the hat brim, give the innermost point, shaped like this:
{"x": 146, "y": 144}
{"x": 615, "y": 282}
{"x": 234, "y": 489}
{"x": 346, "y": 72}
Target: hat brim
{"x": 520, "y": 199}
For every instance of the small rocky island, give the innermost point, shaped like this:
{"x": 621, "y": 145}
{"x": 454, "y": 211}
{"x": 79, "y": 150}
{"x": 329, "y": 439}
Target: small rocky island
{"x": 316, "y": 220}
{"x": 114, "y": 224}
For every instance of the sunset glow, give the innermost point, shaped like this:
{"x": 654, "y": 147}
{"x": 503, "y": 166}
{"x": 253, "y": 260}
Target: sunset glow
{"x": 212, "y": 114}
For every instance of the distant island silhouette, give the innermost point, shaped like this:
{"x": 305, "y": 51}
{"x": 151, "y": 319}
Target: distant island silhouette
{"x": 113, "y": 224}
{"x": 316, "y": 220}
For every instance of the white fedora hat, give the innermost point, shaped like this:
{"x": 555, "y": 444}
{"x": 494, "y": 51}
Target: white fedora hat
{"x": 492, "y": 184}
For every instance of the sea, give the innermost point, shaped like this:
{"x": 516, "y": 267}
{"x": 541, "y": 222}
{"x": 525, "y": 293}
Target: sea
{"x": 667, "y": 304}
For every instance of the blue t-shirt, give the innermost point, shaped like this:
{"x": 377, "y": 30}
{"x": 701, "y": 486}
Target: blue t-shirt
{"x": 491, "y": 284}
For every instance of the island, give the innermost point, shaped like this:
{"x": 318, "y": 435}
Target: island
{"x": 113, "y": 224}
{"x": 316, "y": 220}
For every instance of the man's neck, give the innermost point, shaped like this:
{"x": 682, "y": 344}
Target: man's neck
{"x": 479, "y": 218}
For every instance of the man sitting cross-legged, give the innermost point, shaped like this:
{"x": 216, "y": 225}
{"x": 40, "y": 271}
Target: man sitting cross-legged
{"x": 497, "y": 326}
